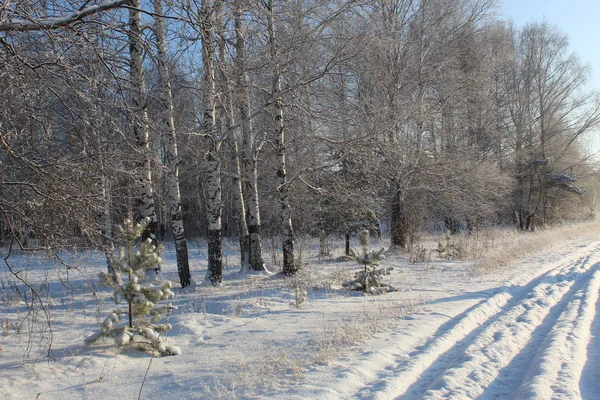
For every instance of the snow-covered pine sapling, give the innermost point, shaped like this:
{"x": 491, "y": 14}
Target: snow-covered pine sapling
{"x": 367, "y": 257}
{"x": 141, "y": 289}
{"x": 449, "y": 249}
{"x": 370, "y": 280}
{"x": 300, "y": 296}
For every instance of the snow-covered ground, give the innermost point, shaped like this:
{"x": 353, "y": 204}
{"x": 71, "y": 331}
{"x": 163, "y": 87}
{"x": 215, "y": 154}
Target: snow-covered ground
{"x": 523, "y": 327}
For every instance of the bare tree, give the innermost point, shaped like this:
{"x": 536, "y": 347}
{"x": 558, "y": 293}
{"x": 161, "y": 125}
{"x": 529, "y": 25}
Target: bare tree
{"x": 251, "y": 144}
{"x": 289, "y": 266}
{"x": 54, "y": 180}
{"x": 548, "y": 111}
{"x": 234, "y": 130}
{"x": 167, "y": 120}
{"x": 213, "y": 142}
{"x": 138, "y": 119}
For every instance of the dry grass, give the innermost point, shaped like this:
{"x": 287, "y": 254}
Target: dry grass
{"x": 269, "y": 364}
{"x": 492, "y": 248}
{"x": 337, "y": 336}
{"x": 498, "y": 248}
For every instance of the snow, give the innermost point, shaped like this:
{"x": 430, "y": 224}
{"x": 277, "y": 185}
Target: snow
{"x": 527, "y": 329}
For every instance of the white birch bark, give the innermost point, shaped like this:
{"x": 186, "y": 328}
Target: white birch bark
{"x": 138, "y": 115}
{"x": 249, "y": 151}
{"x": 289, "y": 265}
{"x": 103, "y": 217}
{"x": 233, "y": 135}
{"x": 239, "y": 203}
{"x": 213, "y": 162}
{"x": 173, "y": 197}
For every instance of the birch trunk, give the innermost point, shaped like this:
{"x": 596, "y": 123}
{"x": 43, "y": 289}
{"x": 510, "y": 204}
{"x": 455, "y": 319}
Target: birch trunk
{"x": 138, "y": 116}
{"x": 289, "y": 266}
{"x": 233, "y": 135}
{"x": 249, "y": 151}
{"x": 103, "y": 218}
{"x": 173, "y": 197}
{"x": 213, "y": 162}
{"x": 104, "y": 215}
{"x": 240, "y": 205}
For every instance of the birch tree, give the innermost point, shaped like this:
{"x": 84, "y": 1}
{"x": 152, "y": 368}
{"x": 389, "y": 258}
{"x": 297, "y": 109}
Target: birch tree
{"x": 289, "y": 266}
{"x": 251, "y": 144}
{"x": 54, "y": 191}
{"x": 230, "y": 97}
{"x": 167, "y": 123}
{"x": 138, "y": 119}
{"x": 213, "y": 142}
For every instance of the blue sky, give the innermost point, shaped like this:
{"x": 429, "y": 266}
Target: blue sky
{"x": 578, "y": 19}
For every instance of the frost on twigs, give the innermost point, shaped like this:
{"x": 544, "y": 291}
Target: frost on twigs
{"x": 140, "y": 289}
{"x": 370, "y": 279}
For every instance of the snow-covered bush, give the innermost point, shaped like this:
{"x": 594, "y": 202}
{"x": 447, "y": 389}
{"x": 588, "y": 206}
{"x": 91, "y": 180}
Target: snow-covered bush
{"x": 140, "y": 287}
{"x": 369, "y": 280}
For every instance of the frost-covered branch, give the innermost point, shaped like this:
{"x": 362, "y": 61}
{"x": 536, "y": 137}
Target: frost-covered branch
{"x": 26, "y": 24}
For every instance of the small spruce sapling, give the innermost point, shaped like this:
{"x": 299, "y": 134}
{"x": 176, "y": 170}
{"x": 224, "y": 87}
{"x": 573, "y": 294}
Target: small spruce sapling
{"x": 141, "y": 289}
{"x": 370, "y": 280}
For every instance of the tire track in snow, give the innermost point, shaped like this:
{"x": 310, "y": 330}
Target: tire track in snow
{"x": 499, "y": 357}
{"x": 589, "y": 383}
{"x": 411, "y": 377}
{"x": 391, "y": 373}
{"x": 439, "y": 348}
{"x": 556, "y": 369}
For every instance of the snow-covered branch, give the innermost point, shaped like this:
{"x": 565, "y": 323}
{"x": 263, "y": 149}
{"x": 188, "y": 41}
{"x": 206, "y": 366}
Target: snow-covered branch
{"x": 24, "y": 24}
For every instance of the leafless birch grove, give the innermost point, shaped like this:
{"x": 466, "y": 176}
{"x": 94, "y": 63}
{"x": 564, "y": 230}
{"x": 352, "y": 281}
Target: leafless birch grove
{"x": 254, "y": 124}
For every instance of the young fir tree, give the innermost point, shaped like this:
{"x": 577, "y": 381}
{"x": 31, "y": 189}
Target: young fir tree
{"x": 141, "y": 288}
{"x": 369, "y": 280}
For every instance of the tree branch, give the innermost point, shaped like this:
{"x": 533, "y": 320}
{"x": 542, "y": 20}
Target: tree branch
{"x": 22, "y": 24}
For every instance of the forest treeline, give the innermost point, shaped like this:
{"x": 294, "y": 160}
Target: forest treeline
{"x": 249, "y": 119}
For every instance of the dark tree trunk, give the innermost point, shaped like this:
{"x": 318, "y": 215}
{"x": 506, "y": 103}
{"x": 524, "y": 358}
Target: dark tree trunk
{"x": 215, "y": 259}
{"x": 399, "y": 224}
{"x": 347, "y": 244}
{"x": 183, "y": 266}
{"x": 529, "y": 223}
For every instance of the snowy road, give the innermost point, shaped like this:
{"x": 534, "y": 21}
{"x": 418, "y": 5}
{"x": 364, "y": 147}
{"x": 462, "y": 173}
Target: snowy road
{"x": 535, "y": 337}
